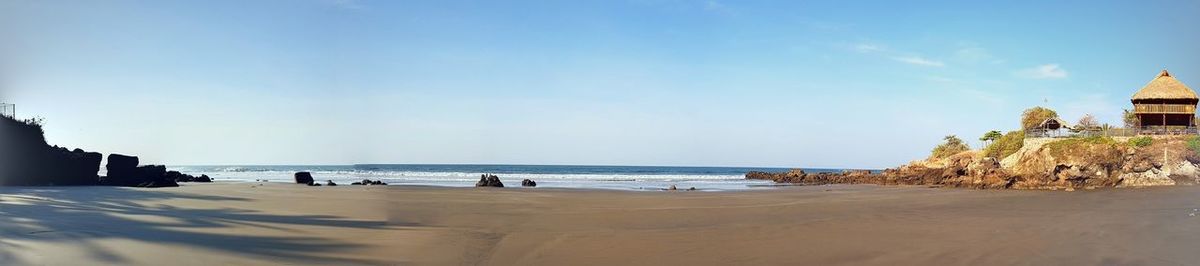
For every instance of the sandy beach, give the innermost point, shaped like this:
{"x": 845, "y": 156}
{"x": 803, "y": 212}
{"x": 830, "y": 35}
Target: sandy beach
{"x": 254, "y": 224}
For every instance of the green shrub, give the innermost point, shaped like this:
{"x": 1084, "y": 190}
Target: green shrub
{"x": 952, "y": 146}
{"x": 1006, "y": 145}
{"x": 1142, "y": 141}
{"x": 1193, "y": 144}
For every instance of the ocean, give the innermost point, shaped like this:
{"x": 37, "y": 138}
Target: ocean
{"x": 555, "y": 176}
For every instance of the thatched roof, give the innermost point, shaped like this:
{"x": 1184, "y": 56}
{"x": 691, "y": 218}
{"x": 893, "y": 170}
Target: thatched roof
{"x": 1165, "y": 87}
{"x": 1052, "y": 123}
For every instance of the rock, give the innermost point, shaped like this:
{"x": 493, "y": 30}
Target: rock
{"x": 672, "y": 188}
{"x": 487, "y": 180}
{"x": 121, "y": 165}
{"x": 1153, "y": 177}
{"x": 692, "y": 189}
{"x": 303, "y": 178}
{"x": 314, "y": 184}
{"x": 330, "y": 183}
{"x": 368, "y": 182}
{"x": 203, "y": 179}
{"x": 528, "y": 183}
{"x": 149, "y": 176}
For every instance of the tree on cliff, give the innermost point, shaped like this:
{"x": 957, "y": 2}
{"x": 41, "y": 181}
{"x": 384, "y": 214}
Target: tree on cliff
{"x": 1032, "y": 117}
{"x": 990, "y": 136}
{"x": 1085, "y": 123}
{"x": 952, "y": 146}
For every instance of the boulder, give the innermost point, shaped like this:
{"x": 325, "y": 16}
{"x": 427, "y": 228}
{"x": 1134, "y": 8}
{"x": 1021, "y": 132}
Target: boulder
{"x": 203, "y": 179}
{"x": 368, "y": 182}
{"x": 487, "y": 180}
{"x": 142, "y": 176}
{"x": 121, "y": 165}
{"x": 304, "y": 178}
{"x": 330, "y": 183}
{"x": 528, "y": 183}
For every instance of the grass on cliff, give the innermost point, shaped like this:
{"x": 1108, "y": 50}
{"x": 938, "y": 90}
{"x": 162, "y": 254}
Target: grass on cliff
{"x": 1006, "y": 145}
{"x": 1096, "y": 149}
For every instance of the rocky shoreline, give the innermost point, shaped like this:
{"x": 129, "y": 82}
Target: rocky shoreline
{"x": 1066, "y": 164}
{"x": 38, "y": 164}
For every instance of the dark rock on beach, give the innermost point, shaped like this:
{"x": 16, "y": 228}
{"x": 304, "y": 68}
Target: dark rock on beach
{"x": 487, "y": 180}
{"x": 368, "y": 182}
{"x": 330, "y": 183}
{"x": 121, "y": 165}
{"x": 528, "y": 183}
{"x": 121, "y": 174}
{"x": 303, "y": 178}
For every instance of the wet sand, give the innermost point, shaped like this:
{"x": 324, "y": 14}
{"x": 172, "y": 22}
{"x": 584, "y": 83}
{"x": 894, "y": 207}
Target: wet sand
{"x": 244, "y": 223}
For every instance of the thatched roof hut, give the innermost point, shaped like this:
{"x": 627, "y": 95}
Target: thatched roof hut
{"x": 1164, "y": 87}
{"x": 1165, "y": 106}
{"x": 1053, "y": 123}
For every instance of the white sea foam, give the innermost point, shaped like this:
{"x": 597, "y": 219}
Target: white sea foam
{"x": 465, "y": 179}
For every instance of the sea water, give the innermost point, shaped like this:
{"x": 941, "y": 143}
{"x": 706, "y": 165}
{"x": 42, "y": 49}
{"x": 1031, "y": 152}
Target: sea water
{"x": 555, "y": 176}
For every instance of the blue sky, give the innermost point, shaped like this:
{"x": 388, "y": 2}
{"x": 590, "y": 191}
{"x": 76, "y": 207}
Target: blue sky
{"x": 638, "y": 82}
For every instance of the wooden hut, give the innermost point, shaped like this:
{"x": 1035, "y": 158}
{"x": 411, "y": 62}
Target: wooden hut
{"x": 1048, "y": 128}
{"x": 1165, "y": 106}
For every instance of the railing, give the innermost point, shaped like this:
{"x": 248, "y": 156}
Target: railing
{"x": 9, "y": 110}
{"x": 1164, "y": 108}
{"x": 1112, "y": 132}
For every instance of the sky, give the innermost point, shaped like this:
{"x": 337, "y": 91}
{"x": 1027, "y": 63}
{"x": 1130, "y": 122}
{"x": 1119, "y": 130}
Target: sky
{"x": 836, "y": 84}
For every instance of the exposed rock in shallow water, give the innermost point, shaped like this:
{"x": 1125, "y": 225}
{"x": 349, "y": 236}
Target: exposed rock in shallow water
{"x": 487, "y": 180}
{"x": 528, "y": 183}
{"x": 303, "y": 178}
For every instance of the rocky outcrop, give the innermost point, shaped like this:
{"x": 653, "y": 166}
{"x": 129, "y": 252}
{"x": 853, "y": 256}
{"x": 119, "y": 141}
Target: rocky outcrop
{"x": 28, "y": 161}
{"x": 528, "y": 183}
{"x": 368, "y": 182}
{"x": 330, "y": 183}
{"x": 487, "y": 180}
{"x": 303, "y": 178}
{"x": 123, "y": 171}
{"x": 1060, "y": 164}
{"x": 181, "y": 177}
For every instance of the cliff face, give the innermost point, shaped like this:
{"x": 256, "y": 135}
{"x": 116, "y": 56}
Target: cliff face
{"x": 1055, "y": 164}
{"x": 28, "y": 161}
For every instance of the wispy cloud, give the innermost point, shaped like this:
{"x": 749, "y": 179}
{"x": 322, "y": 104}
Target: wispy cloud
{"x": 1047, "y": 71}
{"x": 717, "y": 7}
{"x": 345, "y": 4}
{"x": 868, "y": 48}
{"x": 975, "y": 54}
{"x": 713, "y": 5}
{"x": 917, "y": 60}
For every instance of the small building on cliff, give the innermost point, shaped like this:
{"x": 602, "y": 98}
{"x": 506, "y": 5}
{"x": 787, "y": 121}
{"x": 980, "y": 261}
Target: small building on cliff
{"x": 1165, "y": 106}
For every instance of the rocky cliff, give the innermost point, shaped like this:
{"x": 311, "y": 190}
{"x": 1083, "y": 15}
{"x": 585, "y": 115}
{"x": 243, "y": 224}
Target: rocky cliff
{"x": 27, "y": 160}
{"x": 1053, "y": 164}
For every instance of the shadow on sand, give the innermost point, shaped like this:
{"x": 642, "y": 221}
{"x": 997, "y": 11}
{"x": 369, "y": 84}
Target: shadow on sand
{"x": 75, "y": 216}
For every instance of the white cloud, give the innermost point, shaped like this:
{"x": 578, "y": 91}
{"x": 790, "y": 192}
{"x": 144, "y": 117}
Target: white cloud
{"x": 917, "y": 60}
{"x": 868, "y": 48}
{"x": 976, "y": 55}
{"x": 713, "y": 5}
{"x": 1047, "y": 71}
{"x": 345, "y": 4}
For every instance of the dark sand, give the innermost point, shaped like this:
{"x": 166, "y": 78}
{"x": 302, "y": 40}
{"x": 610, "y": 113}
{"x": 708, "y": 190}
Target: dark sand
{"x": 210, "y": 224}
